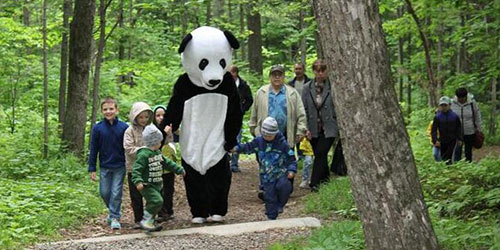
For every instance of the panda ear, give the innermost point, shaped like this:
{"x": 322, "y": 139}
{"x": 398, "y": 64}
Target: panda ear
{"x": 232, "y": 40}
{"x": 184, "y": 43}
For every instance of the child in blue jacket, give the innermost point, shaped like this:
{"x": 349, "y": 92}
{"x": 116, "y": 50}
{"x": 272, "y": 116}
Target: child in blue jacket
{"x": 277, "y": 165}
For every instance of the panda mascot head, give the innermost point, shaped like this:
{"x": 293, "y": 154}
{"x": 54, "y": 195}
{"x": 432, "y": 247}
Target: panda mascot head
{"x": 206, "y": 54}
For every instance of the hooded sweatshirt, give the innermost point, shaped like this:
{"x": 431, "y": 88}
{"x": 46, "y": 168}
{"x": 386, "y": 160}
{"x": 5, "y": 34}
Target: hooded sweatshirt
{"x": 467, "y": 117}
{"x": 132, "y": 140}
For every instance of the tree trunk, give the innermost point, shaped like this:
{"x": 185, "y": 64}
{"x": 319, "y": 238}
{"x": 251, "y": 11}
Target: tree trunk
{"x": 131, "y": 25}
{"x": 26, "y": 14}
{"x": 493, "y": 116}
{"x": 255, "y": 39}
{"x": 230, "y": 10}
{"x": 242, "y": 30}
{"x": 428, "y": 63}
{"x": 208, "y": 18}
{"x": 219, "y": 8}
{"x": 45, "y": 83}
{"x": 303, "y": 44}
{"x": 122, "y": 41}
{"x": 381, "y": 166}
{"x": 14, "y": 85}
{"x": 439, "y": 68}
{"x": 184, "y": 18}
{"x": 63, "y": 74}
{"x": 400, "y": 58}
{"x": 98, "y": 61}
{"x": 79, "y": 64}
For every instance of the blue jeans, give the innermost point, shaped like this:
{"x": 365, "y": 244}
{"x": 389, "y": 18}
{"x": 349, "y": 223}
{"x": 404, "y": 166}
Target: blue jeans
{"x": 276, "y": 194}
{"x": 110, "y": 187}
{"x": 306, "y": 168}
{"x": 235, "y": 156}
{"x": 436, "y": 153}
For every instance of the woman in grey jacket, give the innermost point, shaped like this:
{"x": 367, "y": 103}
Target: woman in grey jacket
{"x": 322, "y": 122}
{"x": 468, "y": 112}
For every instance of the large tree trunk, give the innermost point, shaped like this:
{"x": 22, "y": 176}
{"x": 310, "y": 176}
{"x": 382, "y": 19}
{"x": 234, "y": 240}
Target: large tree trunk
{"x": 381, "y": 166}
{"x": 80, "y": 44}
{"x": 428, "y": 63}
{"x": 98, "y": 61}
{"x": 26, "y": 13}
{"x": 45, "y": 83}
{"x": 63, "y": 74}
{"x": 255, "y": 39}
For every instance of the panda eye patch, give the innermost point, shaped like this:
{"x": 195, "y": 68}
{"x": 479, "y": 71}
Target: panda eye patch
{"x": 203, "y": 64}
{"x": 222, "y": 63}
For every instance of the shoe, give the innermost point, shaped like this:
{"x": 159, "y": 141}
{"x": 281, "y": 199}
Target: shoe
{"x": 216, "y": 218}
{"x": 136, "y": 225}
{"x": 280, "y": 210}
{"x": 115, "y": 224}
{"x": 198, "y": 220}
{"x": 261, "y": 195}
{"x": 304, "y": 184}
{"x": 148, "y": 224}
{"x": 166, "y": 217}
{"x": 108, "y": 220}
{"x": 235, "y": 170}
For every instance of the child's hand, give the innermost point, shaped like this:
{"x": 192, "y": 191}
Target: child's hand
{"x": 140, "y": 187}
{"x": 233, "y": 150}
{"x": 291, "y": 175}
{"x": 308, "y": 135}
{"x": 168, "y": 129}
{"x": 437, "y": 144}
{"x": 93, "y": 176}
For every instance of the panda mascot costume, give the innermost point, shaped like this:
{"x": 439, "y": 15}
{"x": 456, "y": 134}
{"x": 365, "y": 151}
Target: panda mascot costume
{"x": 206, "y": 104}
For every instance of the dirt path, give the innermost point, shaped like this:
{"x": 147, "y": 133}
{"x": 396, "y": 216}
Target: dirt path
{"x": 244, "y": 206}
{"x": 493, "y": 150}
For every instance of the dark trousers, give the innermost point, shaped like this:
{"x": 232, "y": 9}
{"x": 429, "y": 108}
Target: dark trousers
{"x": 168, "y": 195}
{"x": 276, "y": 194}
{"x": 208, "y": 194}
{"x": 468, "y": 141}
{"x": 338, "y": 163}
{"x": 136, "y": 198}
{"x": 447, "y": 149}
{"x": 321, "y": 171}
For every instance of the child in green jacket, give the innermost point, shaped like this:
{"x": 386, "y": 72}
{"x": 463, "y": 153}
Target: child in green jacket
{"x": 147, "y": 174}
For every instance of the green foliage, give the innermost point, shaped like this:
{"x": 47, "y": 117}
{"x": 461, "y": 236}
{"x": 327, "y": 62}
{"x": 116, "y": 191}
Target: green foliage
{"x": 337, "y": 190}
{"x": 36, "y": 191}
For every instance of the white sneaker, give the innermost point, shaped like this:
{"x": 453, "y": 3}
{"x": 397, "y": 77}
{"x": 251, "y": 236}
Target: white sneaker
{"x": 216, "y": 218}
{"x": 304, "y": 184}
{"x": 198, "y": 220}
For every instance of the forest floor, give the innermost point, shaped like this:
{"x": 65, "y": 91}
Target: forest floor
{"x": 244, "y": 206}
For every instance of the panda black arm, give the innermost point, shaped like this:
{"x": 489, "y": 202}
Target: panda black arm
{"x": 234, "y": 117}
{"x": 175, "y": 108}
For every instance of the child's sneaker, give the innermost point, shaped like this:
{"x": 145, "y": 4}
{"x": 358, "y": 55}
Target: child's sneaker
{"x": 115, "y": 224}
{"x": 108, "y": 220}
{"x": 148, "y": 224}
{"x": 304, "y": 184}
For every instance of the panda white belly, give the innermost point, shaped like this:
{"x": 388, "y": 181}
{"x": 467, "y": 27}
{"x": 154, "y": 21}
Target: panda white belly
{"x": 202, "y": 130}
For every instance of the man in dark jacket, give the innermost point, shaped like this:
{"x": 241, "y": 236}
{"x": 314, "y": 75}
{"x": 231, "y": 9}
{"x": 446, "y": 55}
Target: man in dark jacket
{"x": 450, "y": 130}
{"x": 246, "y": 102}
{"x": 300, "y": 78}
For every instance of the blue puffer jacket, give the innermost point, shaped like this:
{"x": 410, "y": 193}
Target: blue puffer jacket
{"x": 449, "y": 127}
{"x": 275, "y": 157}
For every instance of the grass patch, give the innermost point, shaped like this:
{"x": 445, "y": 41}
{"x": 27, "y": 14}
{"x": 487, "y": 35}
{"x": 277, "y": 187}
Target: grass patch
{"x": 335, "y": 197}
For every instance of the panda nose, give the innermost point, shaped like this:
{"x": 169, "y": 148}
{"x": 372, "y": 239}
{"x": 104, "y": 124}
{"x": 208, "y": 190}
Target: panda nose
{"x": 214, "y": 82}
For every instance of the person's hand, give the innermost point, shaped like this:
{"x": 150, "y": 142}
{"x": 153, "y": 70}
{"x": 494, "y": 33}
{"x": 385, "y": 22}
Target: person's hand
{"x": 140, "y": 187}
{"x": 459, "y": 143}
{"x": 93, "y": 176}
{"x": 233, "y": 150}
{"x": 291, "y": 175}
{"x": 438, "y": 144}
{"x": 168, "y": 129}
{"x": 308, "y": 135}
{"x": 183, "y": 173}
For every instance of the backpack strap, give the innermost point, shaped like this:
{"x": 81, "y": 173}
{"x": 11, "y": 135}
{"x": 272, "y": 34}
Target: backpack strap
{"x": 473, "y": 115}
